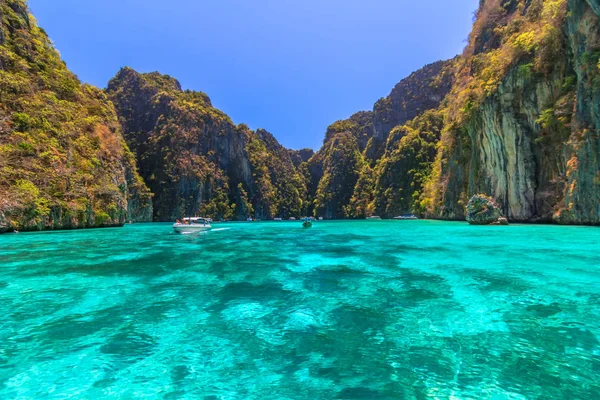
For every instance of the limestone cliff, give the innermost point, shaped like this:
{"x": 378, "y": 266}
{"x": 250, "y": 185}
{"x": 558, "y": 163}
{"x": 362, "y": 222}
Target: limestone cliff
{"x": 194, "y": 158}
{"x": 522, "y": 120}
{"x": 581, "y": 203}
{"x": 63, "y": 161}
{"x": 515, "y": 117}
{"x": 402, "y": 172}
{"x": 346, "y": 183}
{"x": 421, "y": 91}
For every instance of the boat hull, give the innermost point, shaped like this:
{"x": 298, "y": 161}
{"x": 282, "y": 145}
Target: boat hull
{"x": 186, "y": 229}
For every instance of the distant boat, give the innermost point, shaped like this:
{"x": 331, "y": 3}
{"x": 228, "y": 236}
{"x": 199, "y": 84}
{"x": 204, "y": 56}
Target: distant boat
{"x": 278, "y": 219}
{"x": 306, "y": 223}
{"x": 249, "y": 219}
{"x": 320, "y": 218}
{"x": 192, "y": 225}
{"x": 406, "y": 217}
{"x": 374, "y": 218}
{"x": 292, "y": 218}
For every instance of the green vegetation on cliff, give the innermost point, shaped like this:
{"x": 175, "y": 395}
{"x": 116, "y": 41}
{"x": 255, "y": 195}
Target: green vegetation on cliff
{"x": 194, "y": 158}
{"x": 63, "y": 161}
{"x": 376, "y": 162}
{"x": 342, "y": 163}
{"x": 406, "y": 165}
{"x": 170, "y": 131}
{"x": 515, "y": 117}
{"x": 520, "y": 117}
{"x": 281, "y": 190}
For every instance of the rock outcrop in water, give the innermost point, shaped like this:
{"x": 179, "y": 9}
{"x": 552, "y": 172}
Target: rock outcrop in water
{"x": 63, "y": 161}
{"x": 196, "y": 160}
{"x": 482, "y": 210}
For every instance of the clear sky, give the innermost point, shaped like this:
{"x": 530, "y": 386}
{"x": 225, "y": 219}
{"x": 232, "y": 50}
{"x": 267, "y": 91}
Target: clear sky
{"x": 289, "y": 66}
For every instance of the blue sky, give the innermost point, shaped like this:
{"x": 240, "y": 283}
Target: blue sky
{"x": 289, "y": 66}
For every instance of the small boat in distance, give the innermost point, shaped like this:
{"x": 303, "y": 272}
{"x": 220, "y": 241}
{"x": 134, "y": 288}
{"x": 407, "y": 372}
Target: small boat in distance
{"x": 278, "y": 219}
{"x": 374, "y": 218}
{"x": 406, "y": 217}
{"x": 306, "y": 223}
{"x": 292, "y": 218}
{"x": 192, "y": 225}
{"x": 249, "y": 219}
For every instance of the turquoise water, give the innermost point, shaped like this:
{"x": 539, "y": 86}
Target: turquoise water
{"x": 346, "y": 310}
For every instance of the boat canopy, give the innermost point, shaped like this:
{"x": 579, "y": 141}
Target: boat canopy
{"x": 197, "y": 220}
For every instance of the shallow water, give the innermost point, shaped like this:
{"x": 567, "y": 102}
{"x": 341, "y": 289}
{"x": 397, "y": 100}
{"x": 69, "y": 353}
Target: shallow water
{"x": 346, "y": 310}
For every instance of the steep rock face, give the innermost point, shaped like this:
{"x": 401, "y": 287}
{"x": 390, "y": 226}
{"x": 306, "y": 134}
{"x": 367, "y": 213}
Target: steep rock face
{"x": 4, "y": 224}
{"x": 402, "y": 172}
{"x": 280, "y": 189}
{"x": 377, "y": 134}
{"x": 503, "y": 150}
{"x": 63, "y": 161}
{"x": 423, "y": 90}
{"x": 139, "y": 198}
{"x": 581, "y": 204}
{"x": 180, "y": 141}
{"x": 312, "y": 171}
{"x": 341, "y": 166}
{"x": 194, "y": 158}
{"x": 359, "y": 125}
{"x": 524, "y": 128}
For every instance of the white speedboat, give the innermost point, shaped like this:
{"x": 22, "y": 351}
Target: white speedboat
{"x": 374, "y": 218}
{"x": 406, "y": 217}
{"x": 192, "y": 225}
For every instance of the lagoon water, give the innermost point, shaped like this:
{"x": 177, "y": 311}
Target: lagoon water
{"x": 346, "y": 310}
